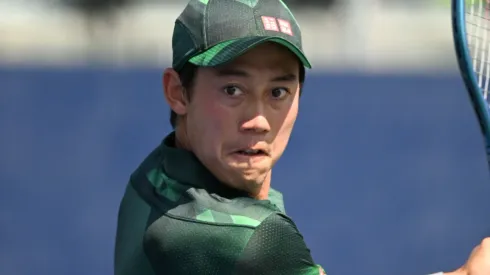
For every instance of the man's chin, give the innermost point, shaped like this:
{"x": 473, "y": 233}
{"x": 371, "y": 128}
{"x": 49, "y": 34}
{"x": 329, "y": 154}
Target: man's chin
{"x": 243, "y": 157}
{"x": 248, "y": 180}
{"x": 250, "y": 172}
{"x": 252, "y": 177}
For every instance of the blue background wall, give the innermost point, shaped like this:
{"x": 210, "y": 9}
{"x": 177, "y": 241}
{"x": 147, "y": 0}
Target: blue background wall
{"x": 384, "y": 174}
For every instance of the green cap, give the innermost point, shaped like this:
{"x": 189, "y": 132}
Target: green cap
{"x": 213, "y": 32}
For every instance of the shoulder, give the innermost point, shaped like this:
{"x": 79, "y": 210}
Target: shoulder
{"x": 276, "y": 247}
{"x": 280, "y": 230}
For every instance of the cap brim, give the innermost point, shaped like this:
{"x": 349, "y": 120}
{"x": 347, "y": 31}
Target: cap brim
{"x": 226, "y": 51}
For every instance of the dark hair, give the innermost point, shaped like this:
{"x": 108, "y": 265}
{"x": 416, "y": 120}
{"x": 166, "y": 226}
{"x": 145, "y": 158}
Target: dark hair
{"x": 187, "y": 76}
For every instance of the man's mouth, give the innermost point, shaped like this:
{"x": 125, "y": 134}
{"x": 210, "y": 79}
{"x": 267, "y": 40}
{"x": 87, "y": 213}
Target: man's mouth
{"x": 252, "y": 152}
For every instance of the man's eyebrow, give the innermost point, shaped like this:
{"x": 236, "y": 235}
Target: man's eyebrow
{"x": 241, "y": 73}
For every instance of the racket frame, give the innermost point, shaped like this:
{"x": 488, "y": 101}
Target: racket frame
{"x": 480, "y": 105}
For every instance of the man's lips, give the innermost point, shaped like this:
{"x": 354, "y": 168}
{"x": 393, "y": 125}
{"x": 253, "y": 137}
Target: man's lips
{"x": 252, "y": 152}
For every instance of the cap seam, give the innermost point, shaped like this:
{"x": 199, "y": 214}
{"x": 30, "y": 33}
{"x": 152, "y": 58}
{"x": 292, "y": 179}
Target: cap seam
{"x": 205, "y": 24}
{"x": 255, "y": 19}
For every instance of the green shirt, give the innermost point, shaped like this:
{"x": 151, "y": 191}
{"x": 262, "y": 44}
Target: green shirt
{"x": 177, "y": 218}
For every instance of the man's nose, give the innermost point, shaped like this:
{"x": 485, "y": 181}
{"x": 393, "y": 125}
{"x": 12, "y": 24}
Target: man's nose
{"x": 258, "y": 124}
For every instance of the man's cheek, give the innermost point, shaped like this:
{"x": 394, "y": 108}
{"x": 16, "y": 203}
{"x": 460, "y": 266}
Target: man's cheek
{"x": 219, "y": 118}
{"x": 290, "y": 119}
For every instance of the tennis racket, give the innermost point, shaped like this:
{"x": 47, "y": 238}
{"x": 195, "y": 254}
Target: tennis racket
{"x": 471, "y": 35}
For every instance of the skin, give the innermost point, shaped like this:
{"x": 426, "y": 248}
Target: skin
{"x": 478, "y": 262}
{"x": 250, "y": 103}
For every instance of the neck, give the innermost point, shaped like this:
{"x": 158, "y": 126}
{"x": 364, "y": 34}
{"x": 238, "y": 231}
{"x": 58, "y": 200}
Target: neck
{"x": 263, "y": 191}
{"x": 181, "y": 139}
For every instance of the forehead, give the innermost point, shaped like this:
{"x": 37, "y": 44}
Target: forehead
{"x": 268, "y": 56}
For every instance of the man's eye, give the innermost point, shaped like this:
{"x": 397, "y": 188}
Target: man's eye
{"x": 279, "y": 93}
{"x": 232, "y": 91}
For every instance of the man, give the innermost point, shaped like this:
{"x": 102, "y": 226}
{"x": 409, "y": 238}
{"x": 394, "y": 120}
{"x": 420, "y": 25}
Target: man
{"x": 202, "y": 202}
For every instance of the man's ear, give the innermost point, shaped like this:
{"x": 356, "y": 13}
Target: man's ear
{"x": 174, "y": 92}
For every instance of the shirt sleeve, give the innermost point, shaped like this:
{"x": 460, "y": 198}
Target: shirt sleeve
{"x": 277, "y": 247}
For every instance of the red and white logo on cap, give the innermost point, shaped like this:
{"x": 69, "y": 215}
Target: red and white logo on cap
{"x": 276, "y": 24}
{"x": 270, "y": 23}
{"x": 285, "y": 27}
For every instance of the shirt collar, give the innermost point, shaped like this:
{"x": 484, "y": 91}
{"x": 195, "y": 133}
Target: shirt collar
{"x": 184, "y": 167}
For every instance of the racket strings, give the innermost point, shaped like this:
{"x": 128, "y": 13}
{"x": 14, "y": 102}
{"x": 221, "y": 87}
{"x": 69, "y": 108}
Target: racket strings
{"x": 478, "y": 28}
{"x": 476, "y": 25}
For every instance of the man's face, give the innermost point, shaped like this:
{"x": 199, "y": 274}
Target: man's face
{"x": 241, "y": 115}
